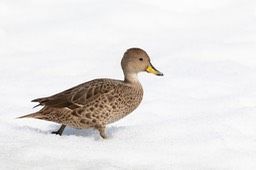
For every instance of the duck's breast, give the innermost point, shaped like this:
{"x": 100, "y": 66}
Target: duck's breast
{"x": 126, "y": 99}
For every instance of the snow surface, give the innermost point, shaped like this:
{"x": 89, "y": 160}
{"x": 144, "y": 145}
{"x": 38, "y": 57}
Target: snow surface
{"x": 200, "y": 116}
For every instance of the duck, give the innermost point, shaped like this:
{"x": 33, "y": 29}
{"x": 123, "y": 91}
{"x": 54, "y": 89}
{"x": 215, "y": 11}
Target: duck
{"x": 99, "y": 102}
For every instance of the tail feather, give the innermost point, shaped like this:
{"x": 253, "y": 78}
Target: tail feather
{"x": 37, "y": 105}
{"x": 33, "y": 115}
{"x": 50, "y": 114}
{"x": 47, "y": 113}
{"x": 42, "y": 114}
{"x": 39, "y": 100}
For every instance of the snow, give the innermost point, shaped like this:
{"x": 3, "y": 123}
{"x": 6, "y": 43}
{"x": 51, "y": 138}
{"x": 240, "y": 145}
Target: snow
{"x": 199, "y": 116}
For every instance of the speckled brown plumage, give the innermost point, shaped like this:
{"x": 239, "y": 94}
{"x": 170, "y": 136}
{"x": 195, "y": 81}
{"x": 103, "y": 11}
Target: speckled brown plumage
{"x": 96, "y": 103}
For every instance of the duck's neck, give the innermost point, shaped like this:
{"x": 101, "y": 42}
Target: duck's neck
{"x": 131, "y": 78}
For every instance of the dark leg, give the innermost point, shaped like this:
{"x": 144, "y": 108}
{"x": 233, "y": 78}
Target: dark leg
{"x": 60, "y": 131}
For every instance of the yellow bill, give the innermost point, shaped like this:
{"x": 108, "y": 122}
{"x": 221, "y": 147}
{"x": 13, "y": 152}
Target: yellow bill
{"x": 153, "y": 70}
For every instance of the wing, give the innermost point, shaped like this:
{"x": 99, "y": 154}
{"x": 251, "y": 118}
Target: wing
{"x": 79, "y": 95}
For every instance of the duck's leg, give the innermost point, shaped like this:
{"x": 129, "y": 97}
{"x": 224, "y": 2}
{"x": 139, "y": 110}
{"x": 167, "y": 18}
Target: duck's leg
{"x": 60, "y": 131}
{"x": 101, "y": 129}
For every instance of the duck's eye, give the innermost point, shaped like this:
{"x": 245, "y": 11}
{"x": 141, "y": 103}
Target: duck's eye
{"x": 141, "y": 59}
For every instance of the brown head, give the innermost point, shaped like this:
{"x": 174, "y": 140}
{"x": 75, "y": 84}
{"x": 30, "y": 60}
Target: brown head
{"x": 136, "y": 60}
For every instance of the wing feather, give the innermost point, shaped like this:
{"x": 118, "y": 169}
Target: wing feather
{"x": 79, "y": 95}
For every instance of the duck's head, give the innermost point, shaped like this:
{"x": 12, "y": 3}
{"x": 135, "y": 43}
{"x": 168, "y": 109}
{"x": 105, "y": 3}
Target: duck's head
{"x": 136, "y": 60}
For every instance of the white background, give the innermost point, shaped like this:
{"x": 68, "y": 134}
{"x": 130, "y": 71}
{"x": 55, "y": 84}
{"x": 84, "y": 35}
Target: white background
{"x": 201, "y": 115}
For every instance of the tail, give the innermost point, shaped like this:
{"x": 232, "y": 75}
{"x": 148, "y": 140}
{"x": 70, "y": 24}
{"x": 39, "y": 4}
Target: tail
{"x": 33, "y": 115}
{"x": 47, "y": 113}
{"x": 41, "y": 114}
{"x": 37, "y": 115}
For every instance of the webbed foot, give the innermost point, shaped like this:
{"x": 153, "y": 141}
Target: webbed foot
{"x": 60, "y": 131}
